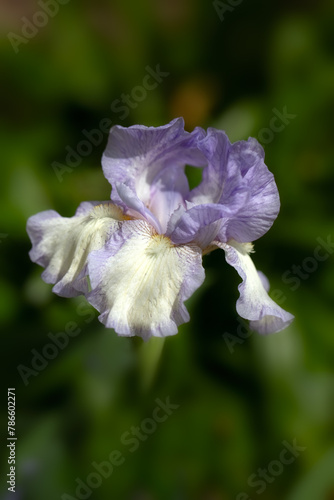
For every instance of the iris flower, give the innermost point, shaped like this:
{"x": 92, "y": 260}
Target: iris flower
{"x": 138, "y": 256}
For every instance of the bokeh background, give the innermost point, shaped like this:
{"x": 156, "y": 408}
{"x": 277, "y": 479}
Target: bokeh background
{"x": 240, "y": 397}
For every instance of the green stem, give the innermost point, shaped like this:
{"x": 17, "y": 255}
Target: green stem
{"x": 149, "y": 355}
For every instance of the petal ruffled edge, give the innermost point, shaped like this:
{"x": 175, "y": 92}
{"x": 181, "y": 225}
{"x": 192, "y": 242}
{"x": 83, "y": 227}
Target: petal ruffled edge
{"x": 137, "y": 156}
{"x": 237, "y": 177}
{"x": 61, "y": 244}
{"x": 258, "y": 211}
{"x": 254, "y": 303}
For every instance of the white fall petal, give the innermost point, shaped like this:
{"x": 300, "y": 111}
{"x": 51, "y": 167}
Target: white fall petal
{"x": 140, "y": 280}
{"x": 62, "y": 244}
{"x": 254, "y": 303}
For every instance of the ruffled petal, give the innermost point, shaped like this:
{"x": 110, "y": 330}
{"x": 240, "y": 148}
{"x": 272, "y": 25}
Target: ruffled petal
{"x": 248, "y": 173}
{"x": 237, "y": 177}
{"x": 151, "y": 161}
{"x": 254, "y": 303}
{"x": 62, "y": 244}
{"x": 140, "y": 281}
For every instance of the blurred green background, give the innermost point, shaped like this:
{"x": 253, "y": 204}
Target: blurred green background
{"x": 240, "y": 397}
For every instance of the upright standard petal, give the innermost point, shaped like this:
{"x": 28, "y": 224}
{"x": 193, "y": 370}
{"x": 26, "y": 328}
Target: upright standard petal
{"x": 260, "y": 208}
{"x": 237, "y": 177}
{"x": 215, "y": 147}
{"x": 151, "y": 161}
{"x": 140, "y": 281}
{"x": 62, "y": 244}
{"x": 254, "y": 303}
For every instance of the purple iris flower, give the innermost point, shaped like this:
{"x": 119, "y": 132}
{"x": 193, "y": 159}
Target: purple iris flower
{"x": 138, "y": 257}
